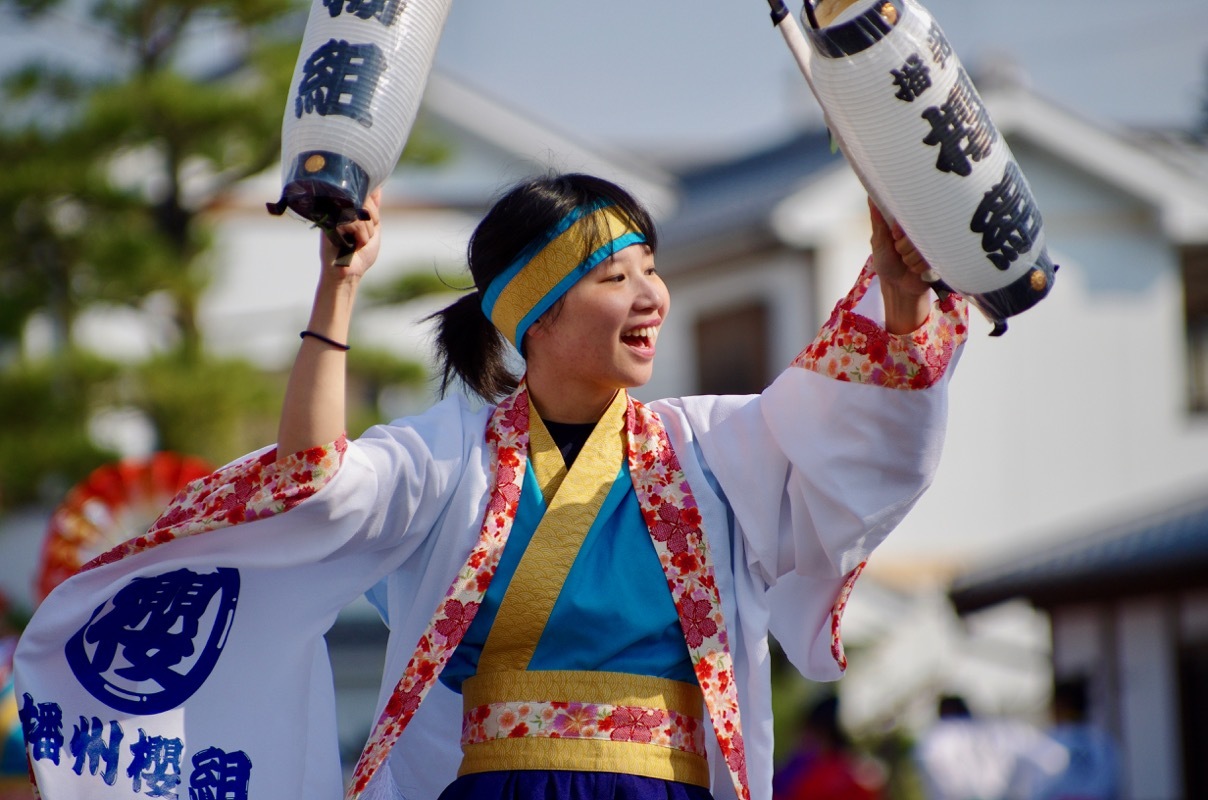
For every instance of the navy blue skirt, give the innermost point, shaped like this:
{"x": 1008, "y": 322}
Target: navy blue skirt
{"x": 537, "y": 784}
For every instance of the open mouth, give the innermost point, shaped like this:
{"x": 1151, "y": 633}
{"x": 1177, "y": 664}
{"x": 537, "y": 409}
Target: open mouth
{"x": 641, "y": 337}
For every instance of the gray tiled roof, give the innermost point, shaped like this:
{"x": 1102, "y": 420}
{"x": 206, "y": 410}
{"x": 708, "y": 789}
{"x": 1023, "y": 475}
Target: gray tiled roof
{"x": 738, "y": 195}
{"x": 1162, "y": 551}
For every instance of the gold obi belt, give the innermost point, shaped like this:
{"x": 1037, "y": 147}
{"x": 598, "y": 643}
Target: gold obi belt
{"x": 586, "y": 722}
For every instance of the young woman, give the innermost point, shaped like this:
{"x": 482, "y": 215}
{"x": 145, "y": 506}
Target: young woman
{"x": 579, "y": 587}
{"x": 798, "y": 483}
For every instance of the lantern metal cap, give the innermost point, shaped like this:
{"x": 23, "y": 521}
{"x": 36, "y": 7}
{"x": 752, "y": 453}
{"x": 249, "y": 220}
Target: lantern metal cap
{"x": 326, "y": 188}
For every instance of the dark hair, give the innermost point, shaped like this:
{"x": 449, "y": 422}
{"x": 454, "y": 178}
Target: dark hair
{"x": 822, "y": 719}
{"x": 1071, "y": 696}
{"x": 468, "y": 346}
{"x": 953, "y": 706}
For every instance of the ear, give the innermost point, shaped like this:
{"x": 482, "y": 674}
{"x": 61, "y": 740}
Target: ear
{"x": 540, "y": 327}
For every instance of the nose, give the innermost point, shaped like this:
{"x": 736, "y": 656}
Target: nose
{"x": 652, "y": 293}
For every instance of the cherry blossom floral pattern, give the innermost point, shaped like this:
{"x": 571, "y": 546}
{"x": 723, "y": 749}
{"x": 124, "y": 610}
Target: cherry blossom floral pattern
{"x": 251, "y": 488}
{"x": 260, "y": 486}
{"x": 851, "y": 347}
{"x": 837, "y": 610}
{"x": 683, "y": 553}
{"x": 674, "y": 520}
{"x": 575, "y": 720}
{"x": 507, "y": 445}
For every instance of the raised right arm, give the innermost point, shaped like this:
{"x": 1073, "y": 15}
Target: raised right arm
{"x": 313, "y": 413}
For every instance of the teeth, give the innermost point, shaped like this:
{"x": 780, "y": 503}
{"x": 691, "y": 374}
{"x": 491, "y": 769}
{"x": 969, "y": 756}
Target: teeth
{"x": 649, "y": 333}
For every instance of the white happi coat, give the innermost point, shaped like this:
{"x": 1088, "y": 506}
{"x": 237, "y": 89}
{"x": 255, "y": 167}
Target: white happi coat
{"x": 796, "y": 486}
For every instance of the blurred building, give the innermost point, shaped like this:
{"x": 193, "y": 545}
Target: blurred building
{"x": 1095, "y": 402}
{"x": 1091, "y": 405}
{"x": 1129, "y": 610}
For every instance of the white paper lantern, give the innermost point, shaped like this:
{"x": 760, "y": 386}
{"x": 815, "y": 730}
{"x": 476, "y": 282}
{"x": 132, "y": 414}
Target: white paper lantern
{"x": 914, "y": 128}
{"x": 356, "y": 90}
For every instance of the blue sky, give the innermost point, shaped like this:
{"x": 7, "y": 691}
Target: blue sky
{"x": 714, "y": 75}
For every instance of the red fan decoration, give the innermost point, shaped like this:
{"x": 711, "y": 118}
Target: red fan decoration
{"x": 114, "y": 503}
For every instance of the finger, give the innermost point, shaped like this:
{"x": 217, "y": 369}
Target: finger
{"x": 903, "y": 245}
{"x": 877, "y": 217}
{"x": 373, "y": 205}
{"x": 910, "y": 256}
{"x": 881, "y": 230}
{"x": 356, "y": 234}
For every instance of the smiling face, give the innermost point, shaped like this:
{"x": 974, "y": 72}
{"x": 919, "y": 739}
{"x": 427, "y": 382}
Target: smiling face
{"x": 601, "y": 337}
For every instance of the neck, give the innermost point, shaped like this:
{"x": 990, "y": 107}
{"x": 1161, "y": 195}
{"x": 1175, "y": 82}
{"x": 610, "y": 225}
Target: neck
{"x": 556, "y": 401}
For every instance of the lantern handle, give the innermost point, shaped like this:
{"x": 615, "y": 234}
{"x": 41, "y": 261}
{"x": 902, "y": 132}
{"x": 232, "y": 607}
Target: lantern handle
{"x": 809, "y": 14}
{"x": 345, "y": 248}
{"x": 780, "y": 11}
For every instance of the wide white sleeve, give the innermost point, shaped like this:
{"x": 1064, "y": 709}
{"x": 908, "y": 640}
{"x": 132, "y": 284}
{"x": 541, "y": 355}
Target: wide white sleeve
{"x": 822, "y": 465}
{"x": 390, "y": 485}
{"x": 222, "y": 607}
{"x": 399, "y": 479}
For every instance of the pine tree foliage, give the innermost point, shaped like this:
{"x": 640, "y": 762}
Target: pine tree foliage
{"x": 112, "y": 171}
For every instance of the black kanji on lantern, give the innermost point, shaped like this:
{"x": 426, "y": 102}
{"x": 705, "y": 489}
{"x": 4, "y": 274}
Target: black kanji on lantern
{"x": 384, "y": 11}
{"x": 1007, "y": 219}
{"x": 912, "y": 79}
{"x": 941, "y": 50}
{"x": 961, "y": 127}
{"x": 340, "y": 78}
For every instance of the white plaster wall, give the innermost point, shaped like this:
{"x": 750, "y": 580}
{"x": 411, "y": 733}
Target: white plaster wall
{"x": 266, "y": 268}
{"x": 1076, "y": 417}
{"x": 782, "y": 282}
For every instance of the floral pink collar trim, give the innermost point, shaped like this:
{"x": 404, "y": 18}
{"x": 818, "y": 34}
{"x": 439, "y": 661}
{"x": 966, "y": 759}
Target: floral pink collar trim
{"x": 675, "y": 527}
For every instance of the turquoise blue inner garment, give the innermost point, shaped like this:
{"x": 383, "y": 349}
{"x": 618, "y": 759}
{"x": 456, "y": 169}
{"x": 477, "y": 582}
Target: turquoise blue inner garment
{"x": 615, "y": 611}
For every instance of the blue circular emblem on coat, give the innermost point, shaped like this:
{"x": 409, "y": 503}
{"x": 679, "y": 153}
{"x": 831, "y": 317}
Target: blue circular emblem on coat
{"x": 152, "y": 645}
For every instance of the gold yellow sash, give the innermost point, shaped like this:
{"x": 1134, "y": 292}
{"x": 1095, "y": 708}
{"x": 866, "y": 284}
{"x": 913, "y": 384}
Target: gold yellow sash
{"x": 569, "y": 720}
{"x": 577, "y": 497}
{"x": 584, "y": 722}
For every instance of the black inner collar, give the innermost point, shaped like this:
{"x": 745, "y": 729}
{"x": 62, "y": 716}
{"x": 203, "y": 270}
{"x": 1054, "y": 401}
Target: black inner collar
{"x": 569, "y": 437}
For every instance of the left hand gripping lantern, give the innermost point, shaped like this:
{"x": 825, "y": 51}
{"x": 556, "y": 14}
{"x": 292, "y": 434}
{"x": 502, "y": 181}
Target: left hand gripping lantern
{"x": 354, "y": 96}
{"x": 915, "y": 131}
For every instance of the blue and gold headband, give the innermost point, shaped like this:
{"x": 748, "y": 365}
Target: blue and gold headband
{"x": 546, "y": 269}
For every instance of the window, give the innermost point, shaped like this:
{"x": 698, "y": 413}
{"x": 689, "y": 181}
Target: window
{"x": 1193, "y": 701}
{"x": 732, "y": 350}
{"x": 1195, "y": 296}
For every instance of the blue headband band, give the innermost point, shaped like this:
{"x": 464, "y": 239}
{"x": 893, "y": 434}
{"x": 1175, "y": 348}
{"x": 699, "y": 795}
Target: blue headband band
{"x": 550, "y": 266}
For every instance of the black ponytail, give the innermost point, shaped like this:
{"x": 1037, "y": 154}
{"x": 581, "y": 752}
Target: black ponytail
{"x": 471, "y": 350}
